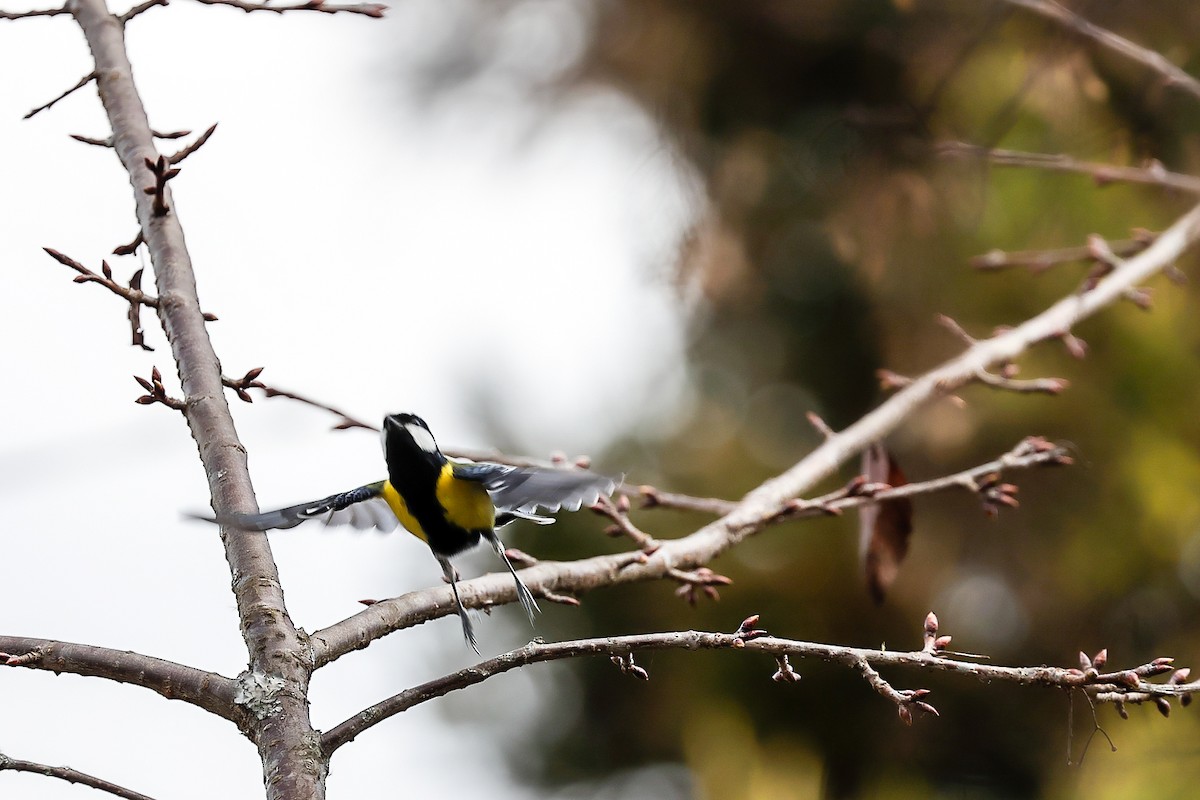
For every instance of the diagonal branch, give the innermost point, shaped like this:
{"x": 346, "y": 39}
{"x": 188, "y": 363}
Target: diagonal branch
{"x": 1118, "y": 686}
{"x": 70, "y": 776}
{"x": 771, "y": 499}
{"x": 84, "y": 81}
{"x": 208, "y": 690}
{"x": 1078, "y": 26}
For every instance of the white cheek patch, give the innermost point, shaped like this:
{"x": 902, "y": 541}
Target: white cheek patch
{"x": 422, "y": 438}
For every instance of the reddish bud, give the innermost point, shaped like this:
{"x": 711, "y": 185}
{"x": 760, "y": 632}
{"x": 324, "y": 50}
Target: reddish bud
{"x": 928, "y": 709}
{"x": 931, "y": 623}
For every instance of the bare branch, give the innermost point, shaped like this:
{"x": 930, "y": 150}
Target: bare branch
{"x": 1030, "y": 452}
{"x": 1040, "y": 260}
{"x": 1107, "y": 687}
{"x": 367, "y": 9}
{"x": 1078, "y": 26}
{"x": 94, "y": 142}
{"x": 70, "y": 776}
{"x": 208, "y": 690}
{"x": 180, "y": 155}
{"x": 769, "y": 501}
{"x": 141, "y": 8}
{"x": 1154, "y": 174}
{"x": 40, "y": 12}
{"x": 84, "y": 81}
{"x": 277, "y": 651}
{"x": 618, "y": 511}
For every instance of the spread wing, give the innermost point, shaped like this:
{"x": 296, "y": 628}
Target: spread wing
{"x": 520, "y": 491}
{"x": 364, "y": 508}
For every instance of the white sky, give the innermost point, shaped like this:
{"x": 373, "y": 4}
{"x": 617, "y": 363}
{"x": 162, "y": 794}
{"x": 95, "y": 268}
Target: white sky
{"x": 375, "y": 254}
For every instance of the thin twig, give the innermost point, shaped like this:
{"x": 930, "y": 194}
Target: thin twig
{"x": 1102, "y": 687}
{"x": 618, "y": 511}
{"x": 180, "y": 155}
{"x": 141, "y": 8}
{"x": 1040, "y": 260}
{"x": 70, "y": 776}
{"x": 94, "y": 142}
{"x": 39, "y": 12}
{"x": 1030, "y": 452}
{"x": 367, "y": 9}
{"x": 84, "y": 81}
{"x": 1078, "y": 26}
{"x": 1153, "y": 175}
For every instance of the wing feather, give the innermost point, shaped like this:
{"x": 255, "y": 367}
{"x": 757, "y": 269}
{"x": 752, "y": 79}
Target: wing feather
{"x": 521, "y": 491}
{"x": 363, "y": 507}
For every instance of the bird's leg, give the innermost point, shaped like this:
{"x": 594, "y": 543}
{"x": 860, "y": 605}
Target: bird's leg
{"x": 452, "y": 577}
{"x": 523, "y": 594}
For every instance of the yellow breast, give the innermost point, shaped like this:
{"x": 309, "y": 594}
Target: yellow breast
{"x": 467, "y": 503}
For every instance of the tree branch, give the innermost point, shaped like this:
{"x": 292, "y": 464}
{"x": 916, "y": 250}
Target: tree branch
{"x": 84, "y": 81}
{"x": 1041, "y": 260}
{"x": 70, "y": 776}
{"x": 771, "y": 499}
{"x": 278, "y": 652}
{"x": 1116, "y": 687}
{"x": 368, "y": 9}
{"x": 208, "y": 690}
{"x": 1030, "y": 452}
{"x": 140, "y": 9}
{"x": 1078, "y": 26}
{"x": 1153, "y": 175}
{"x": 39, "y": 12}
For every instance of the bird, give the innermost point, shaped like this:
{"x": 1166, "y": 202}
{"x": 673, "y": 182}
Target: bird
{"x": 451, "y": 505}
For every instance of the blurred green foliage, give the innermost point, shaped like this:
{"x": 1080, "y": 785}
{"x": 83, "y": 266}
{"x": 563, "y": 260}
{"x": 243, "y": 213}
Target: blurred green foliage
{"x": 834, "y": 234}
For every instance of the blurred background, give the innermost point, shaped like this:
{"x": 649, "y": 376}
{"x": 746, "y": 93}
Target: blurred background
{"x": 658, "y": 232}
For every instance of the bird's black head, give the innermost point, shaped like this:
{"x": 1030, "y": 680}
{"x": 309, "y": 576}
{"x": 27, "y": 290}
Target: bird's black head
{"x": 407, "y": 434}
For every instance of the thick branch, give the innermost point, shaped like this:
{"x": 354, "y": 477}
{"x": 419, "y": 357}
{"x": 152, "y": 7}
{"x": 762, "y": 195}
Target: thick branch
{"x": 768, "y": 501}
{"x": 1131, "y": 682}
{"x": 70, "y": 776}
{"x": 291, "y": 762}
{"x": 207, "y": 690}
